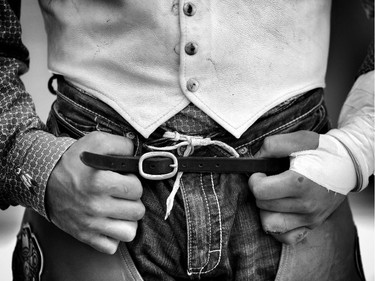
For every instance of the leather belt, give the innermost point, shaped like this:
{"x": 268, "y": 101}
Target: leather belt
{"x": 163, "y": 165}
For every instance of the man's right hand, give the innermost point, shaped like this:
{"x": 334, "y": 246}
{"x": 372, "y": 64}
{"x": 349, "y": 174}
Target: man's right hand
{"x": 97, "y": 207}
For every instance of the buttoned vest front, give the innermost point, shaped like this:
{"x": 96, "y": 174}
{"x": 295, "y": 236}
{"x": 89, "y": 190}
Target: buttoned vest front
{"x": 234, "y": 60}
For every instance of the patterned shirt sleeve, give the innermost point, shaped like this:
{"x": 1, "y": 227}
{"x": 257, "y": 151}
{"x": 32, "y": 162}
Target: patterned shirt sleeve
{"x": 28, "y": 153}
{"x": 368, "y": 63}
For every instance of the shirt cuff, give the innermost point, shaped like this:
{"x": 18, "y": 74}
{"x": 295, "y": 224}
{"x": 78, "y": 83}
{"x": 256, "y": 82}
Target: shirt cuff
{"x": 34, "y": 158}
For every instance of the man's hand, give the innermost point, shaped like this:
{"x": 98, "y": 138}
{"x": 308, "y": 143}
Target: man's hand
{"x": 99, "y": 208}
{"x": 291, "y": 204}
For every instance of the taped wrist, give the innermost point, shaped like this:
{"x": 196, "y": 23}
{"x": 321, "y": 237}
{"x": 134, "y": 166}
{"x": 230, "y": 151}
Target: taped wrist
{"x": 330, "y": 165}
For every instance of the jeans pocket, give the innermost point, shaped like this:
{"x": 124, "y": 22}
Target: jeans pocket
{"x": 59, "y": 126}
{"x": 315, "y": 120}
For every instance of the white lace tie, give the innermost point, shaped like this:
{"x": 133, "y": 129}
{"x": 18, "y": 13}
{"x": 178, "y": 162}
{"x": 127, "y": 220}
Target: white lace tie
{"x": 189, "y": 142}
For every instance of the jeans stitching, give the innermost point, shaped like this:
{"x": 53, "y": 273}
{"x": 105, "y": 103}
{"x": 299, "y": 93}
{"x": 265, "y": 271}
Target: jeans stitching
{"x": 187, "y": 213}
{"x": 220, "y": 228}
{"x": 126, "y": 264}
{"x": 281, "y": 127}
{"x": 209, "y": 228}
{"x": 284, "y": 262}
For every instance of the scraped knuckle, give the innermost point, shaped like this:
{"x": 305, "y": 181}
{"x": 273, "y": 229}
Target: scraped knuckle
{"x": 268, "y": 225}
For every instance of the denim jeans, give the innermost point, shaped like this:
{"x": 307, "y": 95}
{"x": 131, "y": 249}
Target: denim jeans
{"x": 214, "y": 230}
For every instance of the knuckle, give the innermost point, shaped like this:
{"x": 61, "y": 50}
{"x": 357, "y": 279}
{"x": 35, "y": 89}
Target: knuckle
{"x": 251, "y": 181}
{"x": 87, "y": 225}
{"x": 309, "y": 206}
{"x": 95, "y": 208}
{"x": 274, "y": 223}
{"x": 268, "y": 225}
{"x": 258, "y": 192}
{"x": 96, "y": 182}
{"x": 84, "y": 237}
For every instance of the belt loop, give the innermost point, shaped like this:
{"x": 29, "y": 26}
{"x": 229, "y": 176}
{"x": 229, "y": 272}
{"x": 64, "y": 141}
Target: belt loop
{"x": 50, "y": 83}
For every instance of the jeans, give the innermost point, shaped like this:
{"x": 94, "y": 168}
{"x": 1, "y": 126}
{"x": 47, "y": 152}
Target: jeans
{"x": 214, "y": 230}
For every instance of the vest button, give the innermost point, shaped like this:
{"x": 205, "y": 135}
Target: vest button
{"x": 189, "y": 9}
{"x": 191, "y": 48}
{"x": 192, "y": 85}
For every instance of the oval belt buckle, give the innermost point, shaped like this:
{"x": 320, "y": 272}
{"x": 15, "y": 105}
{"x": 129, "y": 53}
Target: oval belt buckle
{"x": 147, "y": 155}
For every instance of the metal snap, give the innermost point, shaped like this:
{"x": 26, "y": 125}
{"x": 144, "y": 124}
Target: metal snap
{"x": 243, "y": 150}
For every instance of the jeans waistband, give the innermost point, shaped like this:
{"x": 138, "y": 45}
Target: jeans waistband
{"x": 78, "y": 106}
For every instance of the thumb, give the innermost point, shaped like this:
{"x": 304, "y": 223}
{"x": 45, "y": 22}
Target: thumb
{"x": 285, "y": 144}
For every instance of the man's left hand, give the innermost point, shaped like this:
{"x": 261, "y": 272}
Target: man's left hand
{"x": 291, "y": 204}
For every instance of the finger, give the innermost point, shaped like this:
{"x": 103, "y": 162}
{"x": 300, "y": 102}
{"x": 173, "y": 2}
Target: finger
{"x": 285, "y": 144}
{"x": 292, "y": 237}
{"x": 286, "y": 184}
{"x": 101, "y": 243}
{"x": 114, "y": 184}
{"x": 116, "y": 229}
{"x": 123, "y": 209}
{"x": 285, "y": 205}
{"x": 282, "y": 222}
{"x": 105, "y": 143}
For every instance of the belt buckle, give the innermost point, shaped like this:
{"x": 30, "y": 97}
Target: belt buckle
{"x": 147, "y": 155}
